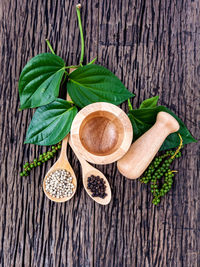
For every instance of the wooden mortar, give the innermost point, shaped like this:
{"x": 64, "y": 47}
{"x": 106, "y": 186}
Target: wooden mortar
{"x": 101, "y": 132}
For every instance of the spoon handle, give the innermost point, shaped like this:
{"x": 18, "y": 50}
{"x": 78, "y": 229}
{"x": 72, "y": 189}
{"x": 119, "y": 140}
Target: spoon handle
{"x": 82, "y": 161}
{"x": 64, "y": 146}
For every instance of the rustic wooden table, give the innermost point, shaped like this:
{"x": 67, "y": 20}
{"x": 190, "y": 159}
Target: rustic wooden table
{"x": 153, "y": 47}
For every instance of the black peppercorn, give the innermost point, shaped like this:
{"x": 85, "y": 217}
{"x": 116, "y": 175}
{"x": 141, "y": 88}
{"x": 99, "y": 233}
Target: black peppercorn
{"x": 97, "y": 186}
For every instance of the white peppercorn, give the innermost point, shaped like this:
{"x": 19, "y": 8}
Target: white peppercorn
{"x": 59, "y": 184}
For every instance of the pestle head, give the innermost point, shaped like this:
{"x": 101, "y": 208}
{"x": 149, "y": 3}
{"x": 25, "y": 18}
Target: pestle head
{"x": 168, "y": 121}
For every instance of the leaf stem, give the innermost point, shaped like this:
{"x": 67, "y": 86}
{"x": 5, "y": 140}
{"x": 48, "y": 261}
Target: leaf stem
{"x": 81, "y": 32}
{"x": 72, "y": 66}
{"x": 65, "y": 77}
{"x": 70, "y": 101}
{"x": 129, "y": 105}
{"x": 50, "y": 47}
{"x": 92, "y": 61}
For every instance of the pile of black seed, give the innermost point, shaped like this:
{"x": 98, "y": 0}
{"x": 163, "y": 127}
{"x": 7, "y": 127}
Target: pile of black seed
{"x": 97, "y": 186}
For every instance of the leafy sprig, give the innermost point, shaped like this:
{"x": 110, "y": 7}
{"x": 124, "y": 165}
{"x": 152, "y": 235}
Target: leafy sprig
{"x": 39, "y": 86}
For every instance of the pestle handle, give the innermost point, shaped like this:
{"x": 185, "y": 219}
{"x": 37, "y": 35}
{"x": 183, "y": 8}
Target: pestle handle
{"x": 144, "y": 149}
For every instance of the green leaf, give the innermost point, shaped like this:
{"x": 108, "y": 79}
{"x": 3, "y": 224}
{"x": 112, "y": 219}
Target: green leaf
{"x": 94, "y": 83}
{"x": 51, "y": 123}
{"x": 150, "y": 102}
{"x": 144, "y": 118}
{"x": 40, "y": 80}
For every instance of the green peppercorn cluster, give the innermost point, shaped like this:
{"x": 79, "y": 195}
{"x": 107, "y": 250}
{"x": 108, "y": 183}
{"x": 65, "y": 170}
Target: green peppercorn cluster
{"x": 159, "y": 175}
{"x": 28, "y": 166}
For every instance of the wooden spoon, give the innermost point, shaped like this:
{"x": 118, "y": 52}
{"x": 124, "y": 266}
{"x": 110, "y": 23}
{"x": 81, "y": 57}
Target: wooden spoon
{"x": 144, "y": 149}
{"x": 61, "y": 163}
{"x": 87, "y": 171}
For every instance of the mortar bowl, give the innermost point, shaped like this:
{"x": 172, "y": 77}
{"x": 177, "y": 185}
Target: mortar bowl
{"x": 101, "y": 132}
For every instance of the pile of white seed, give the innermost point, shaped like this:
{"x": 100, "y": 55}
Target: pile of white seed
{"x": 59, "y": 184}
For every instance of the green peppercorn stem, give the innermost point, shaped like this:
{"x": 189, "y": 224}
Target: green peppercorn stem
{"x": 152, "y": 167}
{"x": 41, "y": 159}
{"x": 179, "y": 148}
{"x": 159, "y": 173}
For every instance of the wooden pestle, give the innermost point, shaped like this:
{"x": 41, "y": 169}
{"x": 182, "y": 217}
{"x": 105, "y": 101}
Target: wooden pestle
{"x": 144, "y": 149}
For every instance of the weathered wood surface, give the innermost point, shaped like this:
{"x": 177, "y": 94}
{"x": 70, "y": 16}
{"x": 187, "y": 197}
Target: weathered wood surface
{"x": 153, "y": 47}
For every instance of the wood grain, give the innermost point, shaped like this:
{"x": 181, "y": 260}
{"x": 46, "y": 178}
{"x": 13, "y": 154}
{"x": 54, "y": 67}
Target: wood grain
{"x": 153, "y": 47}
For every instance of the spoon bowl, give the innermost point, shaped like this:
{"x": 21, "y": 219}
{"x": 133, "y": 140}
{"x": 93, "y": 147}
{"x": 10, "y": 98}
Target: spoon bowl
{"x": 61, "y": 164}
{"x": 87, "y": 171}
{"x": 95, "y": 172}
